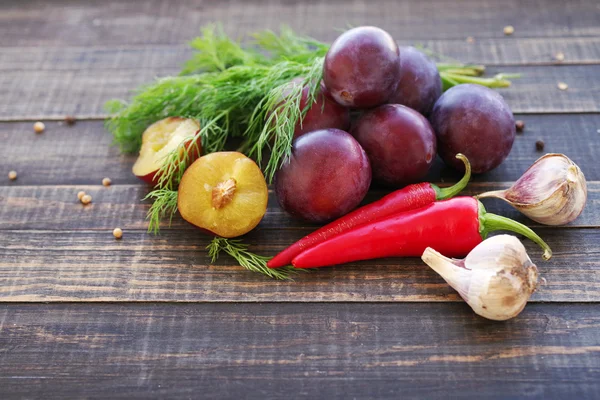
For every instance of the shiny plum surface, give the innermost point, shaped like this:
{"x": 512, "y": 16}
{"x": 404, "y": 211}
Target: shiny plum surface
{"x": 361, "y": 68}
{"x": 327, "y": 176}
{"x": 476, "y": 121}
{"x": 420, "y": 85}
{"x": 399, "y": 141}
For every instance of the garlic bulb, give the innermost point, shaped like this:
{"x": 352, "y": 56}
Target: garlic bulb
{"x": 553, "y": 191}
{"x": 496, "y": 279}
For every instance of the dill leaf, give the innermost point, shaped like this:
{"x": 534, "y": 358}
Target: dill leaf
{"x": 288, "y": 45}
{"x": 276, "y": 116}
{"x": 164, "y": 205}
{"x": 215, "y": 51}
{"x": 252, "y": 262}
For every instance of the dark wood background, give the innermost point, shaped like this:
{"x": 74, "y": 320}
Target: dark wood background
{"x": 83, "y": 315}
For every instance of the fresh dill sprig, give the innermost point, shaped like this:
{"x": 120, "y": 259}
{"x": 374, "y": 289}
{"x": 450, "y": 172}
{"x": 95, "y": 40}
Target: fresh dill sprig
{"x": 252, "y": 262}
{"x": 276, "y": 116}
{"x": 164, "y": 205}
{"x": 215, "y": 51}
{"x": 223, "y": 102}
{"x": 288, "y": 45}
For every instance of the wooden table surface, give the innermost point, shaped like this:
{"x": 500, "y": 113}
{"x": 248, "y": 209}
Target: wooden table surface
{"x": 84, "y": 315}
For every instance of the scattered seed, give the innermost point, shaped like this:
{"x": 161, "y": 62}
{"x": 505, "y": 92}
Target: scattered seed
{"x": 509, "y": 30}
{"x": 106, "y": 181}
{"x": 39, "y": 127}
{"x": 539, "y": 145}
{"x": 86, "y": 199}
{"x": 470, "y": 39}
{"x": 80, "y": 194}
{"x": 12, "y": 175}
{"x": 520, "y": 125}
{"x": 562, "y": 86}
{"x": 118, "y": 233}
{"x": 560, "y": 56}
{"x": 70, "y": 120}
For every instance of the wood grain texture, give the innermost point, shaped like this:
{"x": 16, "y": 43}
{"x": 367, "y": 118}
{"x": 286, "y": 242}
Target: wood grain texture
{"x": 491, "y": 52}
{"x": 57, "y": 208}
{"x": 93, "y": 266}
{"x": 56, "y": 93}
{"x": 152, "y": 317}
{"x": 82, "y": 154}
{"x": 70, "y": 22}
{"x": 278, "y": 351}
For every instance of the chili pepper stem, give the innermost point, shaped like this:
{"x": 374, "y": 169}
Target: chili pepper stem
{"x": 491, "y": 222}
{"x": 449, "y": 192}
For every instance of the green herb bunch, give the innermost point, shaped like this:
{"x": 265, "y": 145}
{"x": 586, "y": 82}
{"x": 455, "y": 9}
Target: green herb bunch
{"x": 232, "y": 92}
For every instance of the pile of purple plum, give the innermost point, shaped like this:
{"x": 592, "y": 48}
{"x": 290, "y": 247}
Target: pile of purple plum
{"x": 404, "y": 120}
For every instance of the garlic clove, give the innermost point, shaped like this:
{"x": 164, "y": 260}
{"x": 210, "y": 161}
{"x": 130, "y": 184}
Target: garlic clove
{"x": 553, "y": 191}
{"x": 496, "y": 279}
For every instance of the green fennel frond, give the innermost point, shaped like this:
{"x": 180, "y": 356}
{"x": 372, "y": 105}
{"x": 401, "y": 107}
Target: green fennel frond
{"x": 252, "y": 262}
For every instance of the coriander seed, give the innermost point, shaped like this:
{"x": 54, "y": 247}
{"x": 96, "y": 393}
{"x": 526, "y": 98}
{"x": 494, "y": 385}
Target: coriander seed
{"x": 39, "y": 127}
{"x": 562, "y": 86}
{"x": 86, "y": 199}
{"x": 509, "y": 30}
{"x": 560, "y": 56}
{"x": 12, "y": 175}
{"x": 539, "y": 145}
{"x": 118, "y": 233}
{"x": 106, "y": 181}
{"x": 520, "y": 125}
{"x": 80, "y": 194}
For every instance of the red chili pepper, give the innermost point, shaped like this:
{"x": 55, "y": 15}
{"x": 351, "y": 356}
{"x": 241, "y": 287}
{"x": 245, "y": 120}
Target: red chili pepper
{"x": 452, "y": 227}
{"x": 409, "y": 198}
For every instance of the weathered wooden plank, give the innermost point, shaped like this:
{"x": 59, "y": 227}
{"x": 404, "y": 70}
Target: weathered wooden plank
{"x": 57, "y": 208}
{"x": 506, "y": 52}
{"x": 39, "y": 23}
{"x": 93, "y": 266}
{"x": 82, "y": 154}
{"x": 337, "y": 351}
{"x": 76, "y": 154}
{"x": 56, "y": 93}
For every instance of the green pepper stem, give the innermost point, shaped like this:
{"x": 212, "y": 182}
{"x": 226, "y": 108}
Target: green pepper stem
{"x": 492, "y": 222}
{"x": 451, "y": 191}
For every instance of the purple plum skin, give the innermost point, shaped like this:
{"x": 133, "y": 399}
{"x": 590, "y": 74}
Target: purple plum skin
{"x": 476, "y": 121}
{"x": 420, "y": 85}
{"x": 324, "y": 113}
{"x": 327, "y": 176}
{"x": 361, "y": 68}
{"x": 399, "y": 141}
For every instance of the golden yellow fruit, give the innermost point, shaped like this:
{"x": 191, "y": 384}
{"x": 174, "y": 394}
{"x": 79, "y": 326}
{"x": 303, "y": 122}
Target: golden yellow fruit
{"x": 224, "y": 193}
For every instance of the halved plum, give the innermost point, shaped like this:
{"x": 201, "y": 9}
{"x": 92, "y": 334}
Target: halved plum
{"x": 160, "y": 139}
{"x": 224, "y": 193}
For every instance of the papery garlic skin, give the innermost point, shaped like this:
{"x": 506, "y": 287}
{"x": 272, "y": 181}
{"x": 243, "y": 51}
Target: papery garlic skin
{"x": 496, "y": 279}
{"x": 553, "y": 191}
